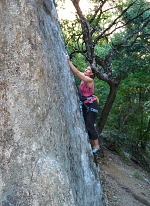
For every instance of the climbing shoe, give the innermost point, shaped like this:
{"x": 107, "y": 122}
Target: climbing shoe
{"x": 95, "y": 150}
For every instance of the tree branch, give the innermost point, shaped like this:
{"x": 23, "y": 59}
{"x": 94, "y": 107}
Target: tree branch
{"x": 86, "y": 30}
{"x": 112, "y": 24}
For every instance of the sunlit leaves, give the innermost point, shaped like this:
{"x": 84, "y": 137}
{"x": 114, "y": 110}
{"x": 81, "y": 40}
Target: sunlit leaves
{"x": 102, "y": 50}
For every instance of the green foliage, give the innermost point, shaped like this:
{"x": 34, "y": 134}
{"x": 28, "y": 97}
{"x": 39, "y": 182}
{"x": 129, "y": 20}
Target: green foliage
{"x": 102, "y": 50}
{"x": 72, "y": 28}
{"x": 101, "y": 90}
{"x": 128, "y": 120}
{"x": 131, "y": 111}
{"x": 79, "y": 62}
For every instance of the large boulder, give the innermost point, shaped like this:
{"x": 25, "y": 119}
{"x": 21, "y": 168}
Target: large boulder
{"x": 45, "y": 152}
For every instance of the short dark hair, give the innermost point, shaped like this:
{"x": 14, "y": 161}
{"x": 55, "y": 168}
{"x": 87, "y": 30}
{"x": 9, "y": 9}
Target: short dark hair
{"x": 93, "y": 75}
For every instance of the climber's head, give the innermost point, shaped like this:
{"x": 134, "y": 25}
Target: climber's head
{"x": 89, "y": 72}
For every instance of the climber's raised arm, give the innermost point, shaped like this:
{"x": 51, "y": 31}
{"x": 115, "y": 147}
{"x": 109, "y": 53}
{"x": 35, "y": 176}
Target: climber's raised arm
{"x": 85, "y": 76}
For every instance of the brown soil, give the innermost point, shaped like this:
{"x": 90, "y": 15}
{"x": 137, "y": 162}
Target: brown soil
{"x": 124, "y": 183}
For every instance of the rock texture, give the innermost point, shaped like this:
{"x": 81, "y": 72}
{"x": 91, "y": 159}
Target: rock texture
{"x": 46, "y": 158}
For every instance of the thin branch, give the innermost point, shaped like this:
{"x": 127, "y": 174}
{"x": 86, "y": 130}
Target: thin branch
{"x": 135, "y": 34}
{"x": 85, "y": 29}
{"x": 112, "y": 24}
{"x": 119, "y": 27}
{"x": 97, "y": 10}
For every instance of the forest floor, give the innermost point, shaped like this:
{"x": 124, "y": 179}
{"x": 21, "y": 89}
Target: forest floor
{"x": 124, "y": 183}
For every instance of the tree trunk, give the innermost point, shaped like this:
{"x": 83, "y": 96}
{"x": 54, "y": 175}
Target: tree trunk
{"x": 108, "y": 105}
{"x": 45, "y": 153}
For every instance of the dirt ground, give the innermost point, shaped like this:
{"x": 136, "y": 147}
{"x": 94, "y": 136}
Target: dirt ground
{"x": 124, "y": 183}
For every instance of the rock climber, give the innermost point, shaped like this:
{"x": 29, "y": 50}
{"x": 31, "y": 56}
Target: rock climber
{"x": 90, "y": 105}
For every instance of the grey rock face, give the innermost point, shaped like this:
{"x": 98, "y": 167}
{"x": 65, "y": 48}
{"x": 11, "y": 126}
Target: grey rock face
{"x": 46, "y": 158}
